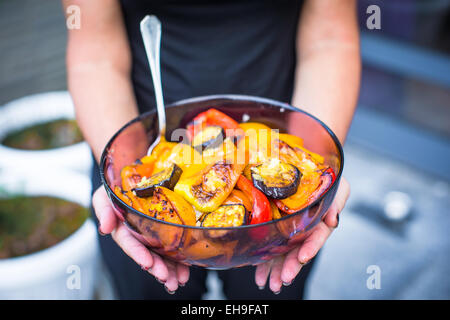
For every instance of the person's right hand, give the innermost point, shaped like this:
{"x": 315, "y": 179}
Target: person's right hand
{"x": 169, "y": 273}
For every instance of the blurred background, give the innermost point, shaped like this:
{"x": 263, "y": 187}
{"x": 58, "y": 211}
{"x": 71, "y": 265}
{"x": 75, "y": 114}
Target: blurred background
{"x": 396, "y": 222}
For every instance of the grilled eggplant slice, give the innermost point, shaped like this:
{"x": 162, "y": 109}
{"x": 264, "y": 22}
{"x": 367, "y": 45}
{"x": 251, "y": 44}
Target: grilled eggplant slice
{"x": 276, "y": 179}
{"x": 209, "y": 137}
{"x": 228, "y": 215}
{"x": 166, "y": 178}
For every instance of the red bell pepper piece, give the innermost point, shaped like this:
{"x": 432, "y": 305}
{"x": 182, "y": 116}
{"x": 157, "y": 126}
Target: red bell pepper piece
{"x": 261, "y": 211}
{"x": 330, "y": 172}
{"x": 211, "y": 117}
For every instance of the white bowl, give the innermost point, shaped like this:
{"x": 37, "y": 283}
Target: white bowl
{"x": 55, "y": 272}
{"x": 40, "y": 108}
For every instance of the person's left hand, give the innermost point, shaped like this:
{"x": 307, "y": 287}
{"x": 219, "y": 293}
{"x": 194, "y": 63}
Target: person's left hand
{"x": 284, "y": 269}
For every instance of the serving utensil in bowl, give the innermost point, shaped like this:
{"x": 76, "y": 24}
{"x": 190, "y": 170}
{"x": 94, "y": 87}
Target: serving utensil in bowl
{"x": 151, "y": 35}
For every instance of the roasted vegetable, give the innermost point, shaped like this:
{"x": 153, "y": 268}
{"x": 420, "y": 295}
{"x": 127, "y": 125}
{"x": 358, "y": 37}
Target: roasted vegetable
{"x": 259, "y": 142}
{"x": 166, "y": 178}
{"x": 296, "y": 143}
{"x": 238, "y": 197}
{"x": 260, "y": 204}
{"x": 203, "y": 249}
{"x": 228, "y": 215}
{"x": 213, "y": 117}
{"x": 132, "y": 174}
{"x": 167, "y": 206}
{"x": 311, "y": 188}
{"x": 181, "y": 154}
{"x": 161, "y": 150}
{"x": 306, "y": 162}
{"x": 164, "y": 204}
{"x": 276, "y": 179}
{"x": 209, "y": 137}
{"x": 207, "y": 188}
{"x": 283, "y": 227}
{"x": 275, "y": 212}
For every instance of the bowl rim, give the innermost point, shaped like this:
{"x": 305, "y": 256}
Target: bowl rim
{"x": 247, "y": 98}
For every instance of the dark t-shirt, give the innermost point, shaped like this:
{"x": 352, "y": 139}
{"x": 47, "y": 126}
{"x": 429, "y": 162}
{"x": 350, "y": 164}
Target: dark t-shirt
{"x": 216, "y": 47}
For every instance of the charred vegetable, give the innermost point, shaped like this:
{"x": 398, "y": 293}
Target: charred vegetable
{"x": 261, "y": 211}
{"x": 313, "y": 186}
{"x": 166, "y": 205}
{"x": 207, "y": 189}
{"x": 209, "y": 137}
{"x": 166, "y": 178}
{"x": 276, "y": 179}
{"x": 238, "y": 197}
{"x": 212, "y": 117}
{"x": 229, "y": 215}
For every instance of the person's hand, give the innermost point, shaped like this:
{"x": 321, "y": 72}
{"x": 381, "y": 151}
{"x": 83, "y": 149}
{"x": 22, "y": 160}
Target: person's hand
{"x": 284, "y": 269}
{"x": 168, "y": 272}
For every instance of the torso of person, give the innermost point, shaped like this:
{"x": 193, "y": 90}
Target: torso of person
{"x": 216, "y": 47}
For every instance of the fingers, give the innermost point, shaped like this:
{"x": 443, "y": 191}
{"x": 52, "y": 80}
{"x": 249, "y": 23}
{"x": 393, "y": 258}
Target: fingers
{"x": 272, "y": 267}
{"x": 261, "y": 274}
{"x": 182, "y": 274}
{"x": 275, "y": 268}
{"x": 164, "y": 271}
{"x": 283, "y": 270}
{"x": 313, "y": 243}
{"x": 167, "y": 272}
{"x": 275, "y": 275}
{"x": 159, "y": 269}
{"x": 171, "y": 284}
{"x": 104, "y": 211}
{"x": 342, "y": 194}
{"x": 291, "y": 267}
{"x": 133, "y": 248}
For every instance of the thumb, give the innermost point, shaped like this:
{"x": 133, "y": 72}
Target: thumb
{"x": 104, "y": 211}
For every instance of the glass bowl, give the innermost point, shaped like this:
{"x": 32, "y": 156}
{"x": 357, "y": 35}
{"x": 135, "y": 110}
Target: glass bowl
{"x": 236, "y": 246}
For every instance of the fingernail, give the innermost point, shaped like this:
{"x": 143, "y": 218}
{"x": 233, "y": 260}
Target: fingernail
{"x": 287, "y": 283}
{"x": 100, "y": 231}
{"x": 261, "y": 287}
{"x": 304, "y": 261}
{"x": 277, "y": 292}
{"x": 160, "y": 281}
{"x": 146, "y": 268}
{"x": 168, "y": 291}
{"x": 181, "y": 284}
